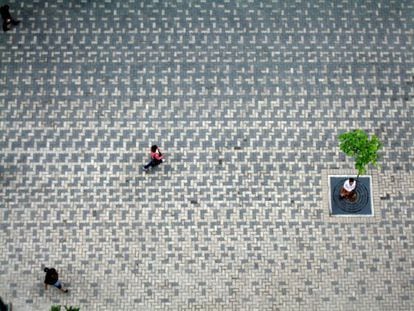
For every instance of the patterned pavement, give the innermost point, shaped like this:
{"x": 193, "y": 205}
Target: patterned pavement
{"x": 247, "y": 99}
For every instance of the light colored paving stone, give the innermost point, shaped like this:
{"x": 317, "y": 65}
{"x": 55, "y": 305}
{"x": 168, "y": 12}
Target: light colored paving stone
{"x": 247, "y": 99}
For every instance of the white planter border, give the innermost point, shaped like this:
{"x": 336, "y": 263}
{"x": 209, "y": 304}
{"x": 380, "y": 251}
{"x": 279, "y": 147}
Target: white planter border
{"x": 350, "y": 215}
{"x": 326, "y": 197}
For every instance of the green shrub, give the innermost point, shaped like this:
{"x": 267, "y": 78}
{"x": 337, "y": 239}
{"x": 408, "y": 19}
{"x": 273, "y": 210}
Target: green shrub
{"x": 357, "y": 144}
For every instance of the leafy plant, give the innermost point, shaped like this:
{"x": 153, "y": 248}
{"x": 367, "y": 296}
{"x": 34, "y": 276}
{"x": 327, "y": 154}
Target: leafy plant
{"x": 72, "y": 308}
{"x": 358, "y": 145}
{"x": 55, "y": 308}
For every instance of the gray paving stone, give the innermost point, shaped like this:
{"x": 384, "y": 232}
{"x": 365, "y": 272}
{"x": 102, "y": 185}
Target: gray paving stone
{"x": 247, "y": 99}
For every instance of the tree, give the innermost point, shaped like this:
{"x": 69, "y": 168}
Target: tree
{"x": 357, "y": 144}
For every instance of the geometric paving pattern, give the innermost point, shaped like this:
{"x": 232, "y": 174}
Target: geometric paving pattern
{"x": 247, "y": 100}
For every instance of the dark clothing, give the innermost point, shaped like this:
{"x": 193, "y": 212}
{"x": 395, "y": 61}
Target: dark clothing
{"x": 152, "y": 163}
{"x": 3, "y": 307}
{"x": 4, "y": 11}
{"x": 51, "y": 276}
{"x": 7, "y": 19}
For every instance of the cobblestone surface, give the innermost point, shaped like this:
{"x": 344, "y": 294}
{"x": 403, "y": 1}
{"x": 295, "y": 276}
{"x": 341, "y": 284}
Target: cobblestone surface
{"x": 247, "y": 99}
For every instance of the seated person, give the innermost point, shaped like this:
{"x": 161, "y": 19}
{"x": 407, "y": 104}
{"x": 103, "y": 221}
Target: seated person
{"x": 347, "y": 190}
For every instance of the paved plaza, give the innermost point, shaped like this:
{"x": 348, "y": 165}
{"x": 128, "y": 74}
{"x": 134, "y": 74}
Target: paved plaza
{"x": 247, "y": 100}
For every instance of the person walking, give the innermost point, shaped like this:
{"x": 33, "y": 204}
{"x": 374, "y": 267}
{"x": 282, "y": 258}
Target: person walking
{"x": 8, "y": 21}
{"x": 52, "y": 278}
{"x": 156, "y": 158}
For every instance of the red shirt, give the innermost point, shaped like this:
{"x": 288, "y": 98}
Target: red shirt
{"x": 155, "y": 155}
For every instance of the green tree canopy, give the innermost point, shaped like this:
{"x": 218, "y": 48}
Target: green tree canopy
{"x": 357, "y": 144}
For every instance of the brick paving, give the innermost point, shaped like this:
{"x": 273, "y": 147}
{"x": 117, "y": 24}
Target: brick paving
{"x": 247, "y": 99}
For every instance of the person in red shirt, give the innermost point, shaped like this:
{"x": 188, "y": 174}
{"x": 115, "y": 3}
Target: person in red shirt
{"x": 156, "y": 158}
